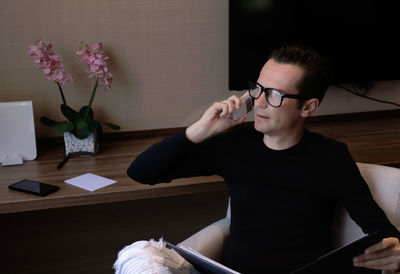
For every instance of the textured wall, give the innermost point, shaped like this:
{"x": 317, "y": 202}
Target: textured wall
{"x": 169, "y": 59}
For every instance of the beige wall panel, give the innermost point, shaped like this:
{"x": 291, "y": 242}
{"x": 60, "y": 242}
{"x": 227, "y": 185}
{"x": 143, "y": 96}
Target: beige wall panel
{"x": 169, "y": 59}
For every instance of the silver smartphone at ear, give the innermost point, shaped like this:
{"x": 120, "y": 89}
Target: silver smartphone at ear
{"x": 245, "y": 107}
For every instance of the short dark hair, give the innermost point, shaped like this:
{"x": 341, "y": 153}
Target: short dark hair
{"x": 317, "y": 69}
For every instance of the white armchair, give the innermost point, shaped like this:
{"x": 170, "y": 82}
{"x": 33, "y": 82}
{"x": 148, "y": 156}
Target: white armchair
{"x": 383, "y": 182}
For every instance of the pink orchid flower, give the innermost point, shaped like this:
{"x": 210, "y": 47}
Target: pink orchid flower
{"x": 49, "y": 62}
{"x": 93, "y": 56}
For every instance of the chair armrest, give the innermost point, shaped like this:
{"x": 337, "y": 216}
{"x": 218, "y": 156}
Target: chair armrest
{"x": 210, "y": 240}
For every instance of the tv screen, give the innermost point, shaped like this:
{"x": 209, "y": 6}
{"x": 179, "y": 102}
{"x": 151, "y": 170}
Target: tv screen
{"x": 360, "y": 37}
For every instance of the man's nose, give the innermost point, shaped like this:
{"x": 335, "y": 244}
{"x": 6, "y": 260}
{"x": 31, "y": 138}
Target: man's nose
{"x": 261, "y": 101}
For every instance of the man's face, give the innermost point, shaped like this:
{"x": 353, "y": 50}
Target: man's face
{"x": 283, "y": 120}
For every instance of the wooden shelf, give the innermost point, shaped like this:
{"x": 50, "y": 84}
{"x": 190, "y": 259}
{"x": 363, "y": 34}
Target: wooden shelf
{"x": 374, "y": 138}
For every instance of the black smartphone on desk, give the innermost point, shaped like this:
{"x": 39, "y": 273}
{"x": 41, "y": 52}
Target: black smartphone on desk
{"x": 34, "y": 187}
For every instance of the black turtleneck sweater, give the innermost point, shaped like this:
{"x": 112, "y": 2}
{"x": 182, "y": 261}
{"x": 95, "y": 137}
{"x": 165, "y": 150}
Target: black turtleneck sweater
{"x": 282, "y": 201}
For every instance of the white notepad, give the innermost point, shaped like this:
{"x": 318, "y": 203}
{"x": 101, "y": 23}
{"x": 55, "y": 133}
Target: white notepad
{"x": 90, "y": 181}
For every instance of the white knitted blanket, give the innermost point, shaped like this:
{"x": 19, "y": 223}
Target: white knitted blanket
{"x": 147, "y": 257}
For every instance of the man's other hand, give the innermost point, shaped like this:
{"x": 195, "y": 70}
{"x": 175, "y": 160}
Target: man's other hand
{"x": 384, "y": 255}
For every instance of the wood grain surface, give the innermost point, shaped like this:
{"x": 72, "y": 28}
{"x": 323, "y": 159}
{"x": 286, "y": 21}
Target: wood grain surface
{"x": 371, "y": 138}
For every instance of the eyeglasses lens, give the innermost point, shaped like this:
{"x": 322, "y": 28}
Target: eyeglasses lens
{"x": 274, "y": 97}
{"x": 254, "y": 90}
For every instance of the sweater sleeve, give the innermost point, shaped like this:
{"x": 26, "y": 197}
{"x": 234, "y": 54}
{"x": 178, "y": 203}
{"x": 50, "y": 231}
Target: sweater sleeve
{"x": 357, "y": 198}
{"x": 174, "y": 157}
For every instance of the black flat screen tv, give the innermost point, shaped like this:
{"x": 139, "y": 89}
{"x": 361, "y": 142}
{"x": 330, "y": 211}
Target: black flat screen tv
{"x": 362, "y": 38}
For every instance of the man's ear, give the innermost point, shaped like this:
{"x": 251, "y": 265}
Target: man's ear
{"x": 309, "y": 107}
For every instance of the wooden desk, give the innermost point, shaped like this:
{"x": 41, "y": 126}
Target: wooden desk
{"x": 112, "y": 162}
{"x": 371, "y": 137}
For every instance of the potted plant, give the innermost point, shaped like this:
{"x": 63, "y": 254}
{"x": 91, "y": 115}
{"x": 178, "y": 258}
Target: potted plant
{"x": 80, "y": 129}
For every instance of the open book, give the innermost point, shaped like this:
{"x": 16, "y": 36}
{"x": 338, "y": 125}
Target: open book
{"x": 200, "y": 262}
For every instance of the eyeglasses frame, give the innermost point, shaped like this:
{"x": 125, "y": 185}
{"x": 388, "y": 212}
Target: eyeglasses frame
{"x": 283, "y": 94}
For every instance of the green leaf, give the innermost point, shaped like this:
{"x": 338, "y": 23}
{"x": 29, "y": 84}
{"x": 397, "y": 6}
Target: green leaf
{"x": 93, "y": 124}
{"x": 48, "y": 122}
{"x": 83, "y": 110}
{"x": 81, "y": 129}
{"x": 100, "y": 130}
{"x": 69, "y": 113}
{"x": 112, "y": 126}
{"x": 64, "y": 127}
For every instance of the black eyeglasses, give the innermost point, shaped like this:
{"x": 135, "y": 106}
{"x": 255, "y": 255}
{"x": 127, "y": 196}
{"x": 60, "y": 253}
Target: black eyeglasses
{"x": 274, "y": 97}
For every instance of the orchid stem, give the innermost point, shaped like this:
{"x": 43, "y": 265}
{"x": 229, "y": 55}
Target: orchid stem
{"x": 61, "y": 92}
{"x": 92, "y": 98}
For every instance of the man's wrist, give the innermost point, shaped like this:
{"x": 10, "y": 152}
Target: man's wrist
{"x": 196, "y": 133}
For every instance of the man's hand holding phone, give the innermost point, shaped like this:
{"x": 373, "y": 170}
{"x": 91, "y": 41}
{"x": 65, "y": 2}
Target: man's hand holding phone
{"x": 246, "y": 105}
{"x": 219, "y": 117}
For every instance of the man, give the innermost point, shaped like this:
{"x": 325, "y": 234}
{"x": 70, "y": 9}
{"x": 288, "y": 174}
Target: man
{"x": 283, "y": 180}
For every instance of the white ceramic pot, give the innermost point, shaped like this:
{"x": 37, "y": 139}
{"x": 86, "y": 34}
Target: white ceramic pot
{"x": 76, "y": 146}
